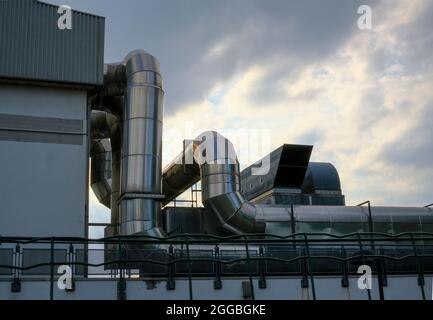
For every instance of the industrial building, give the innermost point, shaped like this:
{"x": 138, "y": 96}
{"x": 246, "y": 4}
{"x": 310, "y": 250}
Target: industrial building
{"x": 68, "y": 121}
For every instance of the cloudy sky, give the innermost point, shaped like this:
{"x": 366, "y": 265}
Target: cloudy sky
{"x": 301, "y": 70}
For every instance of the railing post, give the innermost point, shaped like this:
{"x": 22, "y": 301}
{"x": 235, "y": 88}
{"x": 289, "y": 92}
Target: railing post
{"x": 262, "y": 280}
{"x": 304, "y": 270}
{"x": 309, "y": 268}
{"x": 383, "y": 267}
{"x": 52, "y": 270}
{"x": 217, "y": 283}
{"x": 380, "y": 279}
{"x": 345, "y": 279}
{"x": 419, "y": 267}
{"x": 363, "y": 261}
{"x": 72, "y": 266}
{"x": 253, "y": 297}
{"x": 189, "y": 269}
{"x": 121, "y": 284}
{"x": 171, "y": 284}
{"x": 292, "y": 225}
{"x": 16, "y": 282}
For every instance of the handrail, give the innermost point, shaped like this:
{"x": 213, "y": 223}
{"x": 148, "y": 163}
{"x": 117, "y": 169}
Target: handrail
{"x": 256, "y": 237}
{"x": 305, "y": 239}
{"x": 414, "y": 241}
{"x": 225, "y": 262}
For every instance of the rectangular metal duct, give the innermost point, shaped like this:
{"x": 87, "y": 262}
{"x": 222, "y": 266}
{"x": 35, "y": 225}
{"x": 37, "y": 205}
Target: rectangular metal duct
{"x": 288, "y": 165}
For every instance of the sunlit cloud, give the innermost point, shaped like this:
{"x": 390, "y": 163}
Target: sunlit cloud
{"x": 362, "y": 98}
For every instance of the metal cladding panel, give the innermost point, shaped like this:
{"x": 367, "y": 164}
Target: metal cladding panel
{"x": 32, "y": 47}
{"x": 43, "y": 161}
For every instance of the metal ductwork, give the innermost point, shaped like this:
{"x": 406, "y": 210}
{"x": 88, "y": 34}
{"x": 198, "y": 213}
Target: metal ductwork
{"x": 180, "y": 174}
{"x": 100, "y": 178}
{"x": 137, "y": 79}
{"x": 216, "y": 159}
{"x": 130, "y": 116}
{"x": 140, "y": 208}
{"x": 105, "y": 170}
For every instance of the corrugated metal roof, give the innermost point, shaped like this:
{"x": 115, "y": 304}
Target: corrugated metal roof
{"x": 33, "y": 47}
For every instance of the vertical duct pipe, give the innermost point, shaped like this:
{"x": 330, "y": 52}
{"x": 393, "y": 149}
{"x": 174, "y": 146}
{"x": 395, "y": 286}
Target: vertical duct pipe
{"x": 104, "y": 126}
{"x": 115, "y": 180}
{"x": 133, "y": 92}
{"x": 100, "y": 174}
{"x": 141, "y": 151}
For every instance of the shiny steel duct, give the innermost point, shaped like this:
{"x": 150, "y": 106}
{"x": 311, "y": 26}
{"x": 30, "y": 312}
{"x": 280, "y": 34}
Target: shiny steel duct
{"x": 131, "y": 100}
{"x": 228, "y": 212}
{"x": 219, "y": 173}
{"x": 180, "y": 174}
{"x": 141, "y": 147}
{"x": 105, "y": 170}
{"x": 100, "y": 177}
{"x": 138, "y": 80}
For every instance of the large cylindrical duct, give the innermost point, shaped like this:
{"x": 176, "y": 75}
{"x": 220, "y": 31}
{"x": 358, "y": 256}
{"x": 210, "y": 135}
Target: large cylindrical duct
{"x": 220, "y": 183}
{"x": 133, "y": 92}
{"x": 141, "y": 150}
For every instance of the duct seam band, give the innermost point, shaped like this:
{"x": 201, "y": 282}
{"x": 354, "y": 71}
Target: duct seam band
{"x": 130, "y": 195}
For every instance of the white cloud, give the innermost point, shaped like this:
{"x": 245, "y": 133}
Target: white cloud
{"x": 356, "y": 95}
{"x": 355, "y": 108}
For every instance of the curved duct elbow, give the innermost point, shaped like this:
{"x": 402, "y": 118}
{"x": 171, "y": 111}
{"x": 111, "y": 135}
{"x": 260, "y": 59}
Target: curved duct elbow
{"x": 220, "y": 176}
{"x": 100, "y": 176}
{"x": 102, "y": 125}
{"x": 105, "y": 156}
{"x": 215, "y": 158}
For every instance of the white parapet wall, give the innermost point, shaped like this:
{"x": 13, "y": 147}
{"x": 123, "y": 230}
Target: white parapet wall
{"x": 282, "y": 288}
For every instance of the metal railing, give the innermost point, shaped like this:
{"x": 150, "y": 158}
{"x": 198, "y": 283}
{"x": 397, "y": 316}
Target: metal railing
{"x": 417, "y": 246}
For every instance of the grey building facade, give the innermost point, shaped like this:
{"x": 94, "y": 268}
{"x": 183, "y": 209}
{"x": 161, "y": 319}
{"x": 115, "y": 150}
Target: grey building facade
{"x": 46, "y": 75}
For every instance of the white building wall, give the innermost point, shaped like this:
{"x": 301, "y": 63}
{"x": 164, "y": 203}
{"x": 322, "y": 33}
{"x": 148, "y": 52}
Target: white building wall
{"x": 43, "y": 166}
{"x": 327, "y": 288}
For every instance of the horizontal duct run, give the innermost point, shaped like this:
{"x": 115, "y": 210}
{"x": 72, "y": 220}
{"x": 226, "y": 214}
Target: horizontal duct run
{"x": 214, "y": 157}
